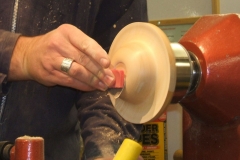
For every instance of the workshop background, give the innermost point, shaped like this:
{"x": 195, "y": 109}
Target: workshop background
{"x": 181, "y": 15}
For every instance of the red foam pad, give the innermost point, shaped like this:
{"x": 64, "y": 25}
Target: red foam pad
{"x": 119, "y": 78}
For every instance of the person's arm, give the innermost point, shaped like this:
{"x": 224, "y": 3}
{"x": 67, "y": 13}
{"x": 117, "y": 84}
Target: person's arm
{"x": 7, "y": 44}
{"x": 102, "y": 128}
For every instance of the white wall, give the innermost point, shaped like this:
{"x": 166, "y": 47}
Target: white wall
{"x": 229, "y": 6}
{"x": 168, "y": 9}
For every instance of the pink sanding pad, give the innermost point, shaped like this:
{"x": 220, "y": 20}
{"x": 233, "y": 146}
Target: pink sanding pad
{"x": 119, "y": 78}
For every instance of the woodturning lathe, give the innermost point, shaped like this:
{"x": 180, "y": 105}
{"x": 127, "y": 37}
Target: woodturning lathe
{"x": 208, "y": 87}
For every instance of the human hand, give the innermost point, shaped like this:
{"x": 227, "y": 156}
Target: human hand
{"x": 40, "y": 58}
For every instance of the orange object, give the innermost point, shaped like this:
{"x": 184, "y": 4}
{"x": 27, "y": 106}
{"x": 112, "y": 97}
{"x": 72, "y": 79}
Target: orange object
{"x": 28, "y": 148}
{"x": 119, "y": 78}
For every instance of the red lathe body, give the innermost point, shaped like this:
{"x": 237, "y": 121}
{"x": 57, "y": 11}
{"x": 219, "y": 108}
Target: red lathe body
{"x": 211, "y": 124}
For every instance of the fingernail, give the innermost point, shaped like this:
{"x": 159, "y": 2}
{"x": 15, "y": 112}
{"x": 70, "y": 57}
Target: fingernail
{"x": 104, "y": 62}
{"x": 102, "y": 86}
{"x": 108, "y": 80}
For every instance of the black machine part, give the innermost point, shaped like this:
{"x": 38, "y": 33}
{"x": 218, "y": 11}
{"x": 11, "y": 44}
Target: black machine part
{"x": 5, "y": 148}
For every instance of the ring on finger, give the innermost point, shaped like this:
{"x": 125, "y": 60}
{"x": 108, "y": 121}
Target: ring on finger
{"x": 66, "y": 64}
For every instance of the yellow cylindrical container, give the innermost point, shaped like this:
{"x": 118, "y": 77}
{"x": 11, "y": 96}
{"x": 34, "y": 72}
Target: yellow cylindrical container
{"x": 129, "y": 150}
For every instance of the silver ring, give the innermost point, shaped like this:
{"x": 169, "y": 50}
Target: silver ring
{"x": 66, "y": 64}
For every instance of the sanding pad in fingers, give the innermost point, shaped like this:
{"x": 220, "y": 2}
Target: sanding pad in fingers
{"x": 119, "y": 78}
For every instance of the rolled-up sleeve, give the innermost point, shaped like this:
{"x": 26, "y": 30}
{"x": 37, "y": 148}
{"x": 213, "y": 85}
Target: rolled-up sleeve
{"x": 102, "y": 128}
{"x": 7, "y": 44}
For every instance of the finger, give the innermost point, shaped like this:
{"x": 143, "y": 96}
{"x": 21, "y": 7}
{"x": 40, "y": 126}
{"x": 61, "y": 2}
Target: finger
{"x": 78, "y": 74}
{"x": 65, "y": 80}
{"x": 87, "y": 45}
{"x": 105, "y": 75}
{"x": 87, "y": 64}
{"x": 91, "y": 48}
{"x": 60, "y": 44}
{"x": 82, "y": 74}
{"x": 58, "y": 78}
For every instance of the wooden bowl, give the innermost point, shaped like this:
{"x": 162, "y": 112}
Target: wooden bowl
{"x": 143, "y": 51}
